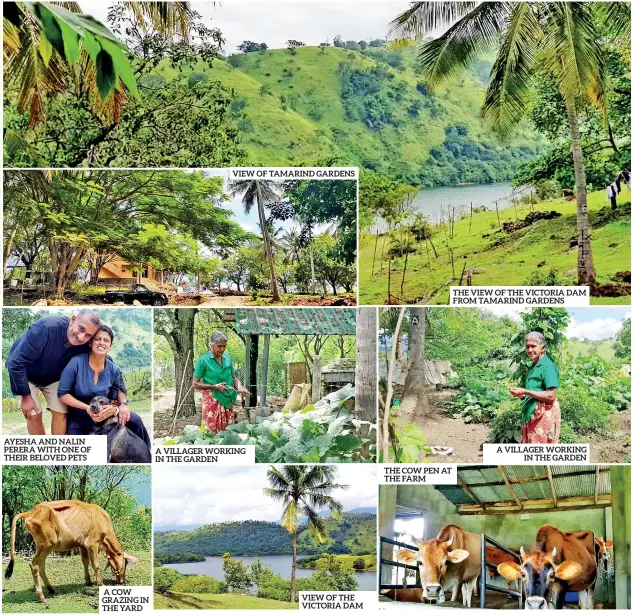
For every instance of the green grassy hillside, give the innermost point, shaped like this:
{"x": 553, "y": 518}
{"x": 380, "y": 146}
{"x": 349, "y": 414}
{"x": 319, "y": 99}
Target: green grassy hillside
{"x": 318, "y": 104}
{"x": 586, "y": 348}
{"x": 354, "y": 534}
{"x": 501, "y": 258}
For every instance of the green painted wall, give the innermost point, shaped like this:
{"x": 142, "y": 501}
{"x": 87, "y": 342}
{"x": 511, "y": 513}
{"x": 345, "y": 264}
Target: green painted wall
{"x": 508, "y": 529}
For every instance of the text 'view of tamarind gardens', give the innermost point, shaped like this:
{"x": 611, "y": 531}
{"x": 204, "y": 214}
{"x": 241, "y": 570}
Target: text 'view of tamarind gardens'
{"x": 272, "y": 267}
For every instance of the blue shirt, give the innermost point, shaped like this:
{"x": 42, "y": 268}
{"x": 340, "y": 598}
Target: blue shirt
{"x": 78, "y": 380}
{"x": 40, "y": 355}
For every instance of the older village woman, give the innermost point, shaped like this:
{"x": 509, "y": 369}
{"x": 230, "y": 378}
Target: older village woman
{"x": 540, "y": 408}
{"x": 215, "y": 376}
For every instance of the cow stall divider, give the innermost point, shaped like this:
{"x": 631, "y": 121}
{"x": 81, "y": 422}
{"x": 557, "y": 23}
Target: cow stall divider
{"x": 389, "y": 562}
{"x": 483, "y": 586}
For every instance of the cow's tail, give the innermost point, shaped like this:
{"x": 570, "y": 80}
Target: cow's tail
{"x": 9, "y": 571}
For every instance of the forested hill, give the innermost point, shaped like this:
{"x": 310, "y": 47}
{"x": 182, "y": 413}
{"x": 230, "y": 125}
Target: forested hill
{"x": 368, "y": 110}
{"x": 353, "y": 534}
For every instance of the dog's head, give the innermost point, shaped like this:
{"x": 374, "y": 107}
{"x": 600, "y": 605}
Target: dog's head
{"x": 97, "y": 403}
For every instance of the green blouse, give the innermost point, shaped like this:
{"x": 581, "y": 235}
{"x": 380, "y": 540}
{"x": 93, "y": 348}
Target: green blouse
{"x": 541, "y": 377}
{"x": 208, "y": 370}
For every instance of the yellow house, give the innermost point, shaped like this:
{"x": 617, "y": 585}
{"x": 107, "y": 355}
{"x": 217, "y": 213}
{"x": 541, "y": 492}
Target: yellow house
{"x": 118, "y": 269}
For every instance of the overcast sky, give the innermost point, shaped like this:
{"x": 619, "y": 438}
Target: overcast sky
{"x": 192, "y": 496}
{"x": 274, "y": 22}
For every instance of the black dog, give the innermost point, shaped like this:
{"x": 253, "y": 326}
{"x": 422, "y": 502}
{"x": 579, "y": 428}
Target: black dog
{"x": 124, "y": 446}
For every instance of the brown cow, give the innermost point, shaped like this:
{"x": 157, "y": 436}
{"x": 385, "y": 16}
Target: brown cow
{"x": 606, "y": 554}
{"x": 452, "y": 560}
{"x": 497, "y": 556}
{"x": 65, "y": 525}
{"x": 559, "y": 562}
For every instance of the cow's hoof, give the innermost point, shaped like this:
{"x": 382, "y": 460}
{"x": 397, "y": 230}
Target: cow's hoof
{"x": 51, "y": 591}
{"x": 89, "y": 592}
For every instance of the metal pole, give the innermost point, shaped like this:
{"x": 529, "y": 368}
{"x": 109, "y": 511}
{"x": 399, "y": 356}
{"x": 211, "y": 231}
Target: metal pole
{"x": 264, "y": 370}
{"x": 483, "y": 577}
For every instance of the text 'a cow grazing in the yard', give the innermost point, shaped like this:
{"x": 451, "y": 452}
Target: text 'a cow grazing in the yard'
{"x": 65, "y": 525}
{"x": 452, "y": 560}
{"x": 559, "y": 562}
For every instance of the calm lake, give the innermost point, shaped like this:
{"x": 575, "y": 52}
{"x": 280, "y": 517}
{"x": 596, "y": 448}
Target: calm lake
{"x": 280, "y": 564}
{"x": 429, "y": 201}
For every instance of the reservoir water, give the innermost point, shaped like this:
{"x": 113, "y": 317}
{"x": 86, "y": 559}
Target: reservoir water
{"x": 280, "y": 564}
{"x": 429, "y": 201}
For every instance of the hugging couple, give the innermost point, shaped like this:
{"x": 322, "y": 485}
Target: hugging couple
{"x": 66, "y": 359}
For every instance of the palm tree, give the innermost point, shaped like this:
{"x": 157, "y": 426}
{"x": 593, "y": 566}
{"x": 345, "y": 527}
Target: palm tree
{"x": 49, "y": 48}
{"x": 559, "y": 38}
{"x": 303, "y": 490}
{"x": 259, "y": 192}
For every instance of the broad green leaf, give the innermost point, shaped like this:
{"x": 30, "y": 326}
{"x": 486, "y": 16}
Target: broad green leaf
{"x": 91, "y": 45}
{"x": 313, "y": 456}
{"x": 45, "y": 50}
{"x": 307, "y": 429}
{"x": 408, "y": 454}
{"x": 308, "y": 408}
{"x": 122, "y": 66}
{"x": 347, "y": 443}
{"x": 71, "y": 42}
{"x": 106, "y": 76}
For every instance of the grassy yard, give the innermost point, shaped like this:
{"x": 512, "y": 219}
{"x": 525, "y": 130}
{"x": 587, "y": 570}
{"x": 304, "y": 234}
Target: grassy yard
{"x": 501, "y": 259}
{"x": 218, "y": 602}
{"x": 66, "y": 576}
{"x": 13, "y": 423}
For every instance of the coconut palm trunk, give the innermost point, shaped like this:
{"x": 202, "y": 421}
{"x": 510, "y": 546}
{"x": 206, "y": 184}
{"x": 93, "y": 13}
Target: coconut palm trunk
{"x": 293, "y": 575}
{"x": 267, "y": 246}
{"x": 585, "y": 264}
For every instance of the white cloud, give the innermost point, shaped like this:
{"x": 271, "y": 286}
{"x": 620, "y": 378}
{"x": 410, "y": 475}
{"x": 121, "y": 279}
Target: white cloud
{"x": 505, "y": 310}
{"x": 197, "y": 495}
{"x": 596, "y": 329}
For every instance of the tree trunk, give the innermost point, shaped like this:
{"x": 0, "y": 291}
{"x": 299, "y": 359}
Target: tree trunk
{"x": 8, "y": 248}
{"x": 414, "y": 400}
{"x": 317, "y": 374}
{"x": 254, "y": 357}
{"x": 293, "y": 576}
{"x": 312, "y": 287}
{"x": 268, "y": 248}
{"x": 377, "y": 237}
{"x": 180, "y": 334}
{"x": 585, "y": 265}
{"x": 366, "y": 364}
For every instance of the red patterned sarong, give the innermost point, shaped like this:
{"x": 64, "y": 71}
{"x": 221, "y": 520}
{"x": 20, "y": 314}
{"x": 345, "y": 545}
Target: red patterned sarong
{"x": 544, "y": 425}
{"x": 214, "y": 416}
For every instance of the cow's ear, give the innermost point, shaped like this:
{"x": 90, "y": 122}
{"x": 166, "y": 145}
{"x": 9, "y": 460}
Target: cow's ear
{"x": 567, "y": 570}
{"x": 457, "y": 555}
{"x": 609, "y": 543}
{"x": 407, "y": 556}
{"x": 510, "y": 570}
{"x": 130, "y": 558}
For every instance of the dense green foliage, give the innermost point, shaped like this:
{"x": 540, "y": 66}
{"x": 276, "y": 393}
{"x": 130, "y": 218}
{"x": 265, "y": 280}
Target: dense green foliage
{"x": 175, "y": 122}
{"x": 118, "y": 490}
{"x": 131, "y": 349}
{"x": 240, "y": 578}
{"x": 324, "y": 434}
{"x": 177, "y": 558}
{"x": 354, "y": 534}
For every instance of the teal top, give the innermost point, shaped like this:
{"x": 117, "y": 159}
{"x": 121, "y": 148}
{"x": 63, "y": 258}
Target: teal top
{"x": 541, "y": 377}
{"x": 209, "y": 371}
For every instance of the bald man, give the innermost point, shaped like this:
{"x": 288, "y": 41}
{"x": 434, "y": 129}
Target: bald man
{"x": 38, "y": 357}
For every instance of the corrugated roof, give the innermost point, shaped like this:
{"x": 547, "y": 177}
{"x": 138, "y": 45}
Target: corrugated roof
{"x": 295, "y": 321}
{"x": 488, "y": 486}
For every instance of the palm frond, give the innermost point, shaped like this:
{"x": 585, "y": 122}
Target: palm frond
{"x": 473, "y": 35}
{"x": 168, "y": 18}
{"x": 424, "y": 17}
{"x": 615, "y": 16}
{"x": 512, "y": 74}
{"x": 573, "y": 53}
{"x": 290, "y": 517}
{"x": 316, "y": 524}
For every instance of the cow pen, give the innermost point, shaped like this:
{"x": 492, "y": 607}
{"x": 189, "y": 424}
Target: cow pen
{"x": 504, "y": 508}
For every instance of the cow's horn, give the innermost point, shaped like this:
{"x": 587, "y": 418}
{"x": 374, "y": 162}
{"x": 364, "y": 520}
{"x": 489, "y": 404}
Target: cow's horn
{"x": 449, "y": 542}
{"x": 522, "y": 553}
{"x": 553, "y": 552}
